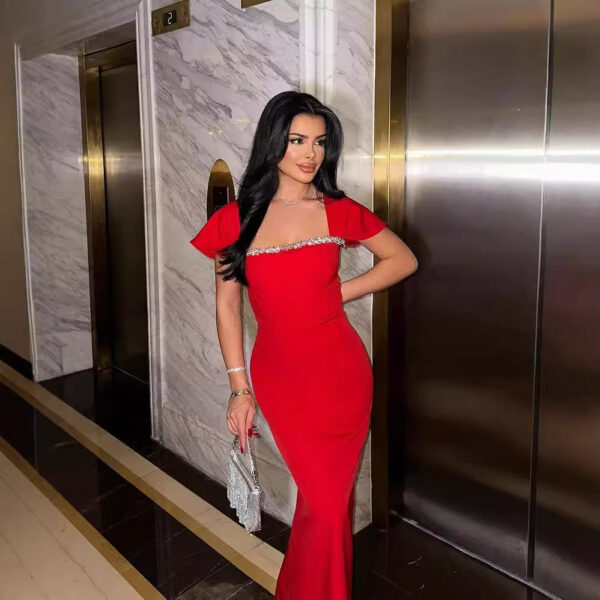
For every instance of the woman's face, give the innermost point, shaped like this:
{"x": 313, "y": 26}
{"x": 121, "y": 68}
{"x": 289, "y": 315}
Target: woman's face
{"x": 305, "y": 149}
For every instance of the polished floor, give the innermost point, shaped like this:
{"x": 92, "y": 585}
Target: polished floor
{"x": 403, "y": 562}
{"x": 42, "y": 553}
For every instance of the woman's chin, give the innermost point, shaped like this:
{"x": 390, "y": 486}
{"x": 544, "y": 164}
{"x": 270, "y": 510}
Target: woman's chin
{"x": 306, "y": 177}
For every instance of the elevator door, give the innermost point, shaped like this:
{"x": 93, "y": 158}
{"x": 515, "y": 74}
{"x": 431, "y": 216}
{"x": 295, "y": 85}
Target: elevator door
{"x": 476, "y": 114}
{"x": 567, "y": 520}
{"x": 501, "y": 379}
{"x": 121, "y": 298}
{"x": 125, "y": 219}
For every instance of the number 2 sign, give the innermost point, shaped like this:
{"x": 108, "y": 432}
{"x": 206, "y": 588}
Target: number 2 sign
{"x": 173, "y": 16}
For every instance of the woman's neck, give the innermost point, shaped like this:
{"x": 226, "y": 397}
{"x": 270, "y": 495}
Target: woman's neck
{"x": 295, "y": 190}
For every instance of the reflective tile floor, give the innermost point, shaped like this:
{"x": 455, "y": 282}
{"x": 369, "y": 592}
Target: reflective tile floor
{"x": 398, "y": 564}
{"x": 44, "y": 555}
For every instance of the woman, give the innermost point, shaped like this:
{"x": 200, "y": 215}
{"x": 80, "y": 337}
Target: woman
{"x": 310, "y": 372}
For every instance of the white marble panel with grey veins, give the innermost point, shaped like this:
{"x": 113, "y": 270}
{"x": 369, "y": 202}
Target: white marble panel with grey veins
{"x": 56, "y": 217}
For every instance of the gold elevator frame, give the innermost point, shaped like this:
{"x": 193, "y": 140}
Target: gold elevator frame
{"x": 389, "y": 146}
{"x": 93, "y": 153}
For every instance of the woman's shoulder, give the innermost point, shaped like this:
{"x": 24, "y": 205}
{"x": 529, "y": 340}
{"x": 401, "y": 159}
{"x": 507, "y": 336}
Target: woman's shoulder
{"x": 352, "y": 220}
{"x": 345, "y": 204}
{"x": 221, "y": 229}
{"x": 228, "y": 215}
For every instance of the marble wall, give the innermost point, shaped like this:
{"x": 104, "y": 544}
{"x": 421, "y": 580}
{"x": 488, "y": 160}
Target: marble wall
{"x": 56, "y": 218}
{"x": 212, "y": 81}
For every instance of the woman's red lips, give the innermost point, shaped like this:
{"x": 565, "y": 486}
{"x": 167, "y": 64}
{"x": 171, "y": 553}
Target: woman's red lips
{"x": 307, "y": 168}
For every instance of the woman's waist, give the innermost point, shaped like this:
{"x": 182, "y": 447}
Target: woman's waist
{"x": 285, "y": 308}
{"x": 287, "y": 340}
{"x": 314, "y": 346}
{"x": 272, "y": 323}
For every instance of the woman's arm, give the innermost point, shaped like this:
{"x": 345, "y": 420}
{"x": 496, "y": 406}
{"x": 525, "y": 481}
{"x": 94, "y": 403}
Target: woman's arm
{"x": 241, "y": 411}
{"x": 396, "y": 263}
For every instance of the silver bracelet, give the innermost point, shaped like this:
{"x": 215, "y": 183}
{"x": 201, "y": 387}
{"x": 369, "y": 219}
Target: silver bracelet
{"x": 235, "y": 369}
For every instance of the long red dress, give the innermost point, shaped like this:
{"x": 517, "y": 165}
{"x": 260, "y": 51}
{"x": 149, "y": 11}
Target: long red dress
{"x": 313, "y": 382}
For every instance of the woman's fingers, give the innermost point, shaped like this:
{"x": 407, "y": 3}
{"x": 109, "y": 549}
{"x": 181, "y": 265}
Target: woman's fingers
{"x": 239, "y": 421}
{"x": 248, "y": 428}
{"x": 243, "y": 424}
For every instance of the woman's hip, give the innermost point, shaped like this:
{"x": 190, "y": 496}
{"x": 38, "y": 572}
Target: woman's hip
{"x": 319, "y": 375}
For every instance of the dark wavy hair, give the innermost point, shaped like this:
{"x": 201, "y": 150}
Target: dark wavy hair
{"x": 261, "y": 178}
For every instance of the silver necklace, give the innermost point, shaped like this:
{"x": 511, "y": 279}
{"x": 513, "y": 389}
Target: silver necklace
{"x": 288, "y": 202}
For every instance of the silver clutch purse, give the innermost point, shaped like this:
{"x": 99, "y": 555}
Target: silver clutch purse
{"x": 243, "y": 491}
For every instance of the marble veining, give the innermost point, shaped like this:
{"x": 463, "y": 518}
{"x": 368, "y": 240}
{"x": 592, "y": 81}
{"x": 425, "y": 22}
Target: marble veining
{"x": 56, "y": 215}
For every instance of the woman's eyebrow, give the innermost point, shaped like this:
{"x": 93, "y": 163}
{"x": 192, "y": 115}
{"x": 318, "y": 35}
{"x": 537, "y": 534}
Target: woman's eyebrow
{"x": 305, "y": 136}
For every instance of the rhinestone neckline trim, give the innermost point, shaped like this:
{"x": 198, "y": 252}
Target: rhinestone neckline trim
{"x": 292, "y": 245}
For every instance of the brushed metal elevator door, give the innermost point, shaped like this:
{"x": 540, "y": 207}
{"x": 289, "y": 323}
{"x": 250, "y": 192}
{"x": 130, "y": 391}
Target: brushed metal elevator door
{"x": 567, "y": 525}
{"x": 476, "y": 117}
{"x": 502, "y": 320}
{"x": 124, "y": 219}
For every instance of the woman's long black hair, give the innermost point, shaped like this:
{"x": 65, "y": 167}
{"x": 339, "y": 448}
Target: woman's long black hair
{"x": 261, "y": 178}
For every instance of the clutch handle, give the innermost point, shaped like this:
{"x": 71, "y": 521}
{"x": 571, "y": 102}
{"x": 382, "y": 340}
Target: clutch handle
{"x": 251, "y": 478}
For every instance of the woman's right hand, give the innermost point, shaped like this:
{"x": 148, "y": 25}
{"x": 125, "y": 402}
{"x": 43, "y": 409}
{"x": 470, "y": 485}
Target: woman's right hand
{"x": 240, "y": 415}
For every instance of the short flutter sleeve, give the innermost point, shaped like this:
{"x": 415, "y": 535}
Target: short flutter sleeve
{"x": 221, "y": 229}
{"x": 358, "y": 223}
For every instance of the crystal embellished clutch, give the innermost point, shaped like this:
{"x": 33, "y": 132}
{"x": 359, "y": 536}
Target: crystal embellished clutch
{"x": 243, "y": 491}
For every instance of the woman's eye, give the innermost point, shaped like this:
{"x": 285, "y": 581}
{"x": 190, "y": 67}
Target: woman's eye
{"x": 299, "y": 140}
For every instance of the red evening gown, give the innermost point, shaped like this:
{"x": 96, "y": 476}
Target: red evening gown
{"x": 312, "y": 379}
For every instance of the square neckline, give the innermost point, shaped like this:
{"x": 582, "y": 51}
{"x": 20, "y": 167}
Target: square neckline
{"x": 273, "y": 248}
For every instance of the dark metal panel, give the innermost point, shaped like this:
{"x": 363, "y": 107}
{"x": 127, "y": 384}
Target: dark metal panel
{"x": 476, "y": 125}
{"x": 125, "y": 218}
{"x": 91, "y": 120}
{"x": 567, "y": 550}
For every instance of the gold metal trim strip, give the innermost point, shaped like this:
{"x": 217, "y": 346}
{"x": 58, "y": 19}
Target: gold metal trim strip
{"x": 123, "y": 54}
{"x": 391, "y": 56}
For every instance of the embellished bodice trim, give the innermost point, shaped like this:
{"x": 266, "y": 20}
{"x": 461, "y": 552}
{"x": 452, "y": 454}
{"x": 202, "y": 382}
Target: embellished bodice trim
{"x": 293, "y": 245}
